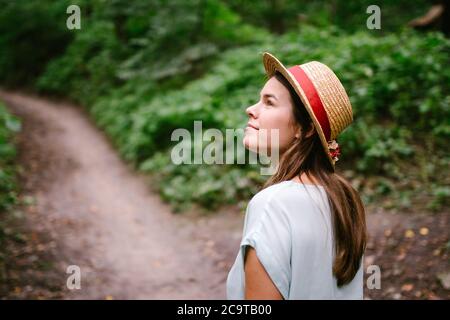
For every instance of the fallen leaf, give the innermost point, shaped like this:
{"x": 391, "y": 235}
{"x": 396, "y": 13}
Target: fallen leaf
{"x": 424, "y": 231}
{"x": 409, "y": 233}
{"x": 401, "y": 256}
{"x": 407, "y": 287}
{"x": 432, "y": 296}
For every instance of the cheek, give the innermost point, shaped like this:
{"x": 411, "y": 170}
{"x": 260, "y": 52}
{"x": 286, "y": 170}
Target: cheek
{"x": 278, "y": 119}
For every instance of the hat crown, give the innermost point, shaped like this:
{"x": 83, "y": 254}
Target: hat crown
{"x": 332, "y": 94}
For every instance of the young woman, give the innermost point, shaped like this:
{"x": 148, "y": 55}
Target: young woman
{"x": 304, "y": 233}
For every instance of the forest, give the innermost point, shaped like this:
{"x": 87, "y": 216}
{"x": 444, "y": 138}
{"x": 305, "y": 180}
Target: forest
{"x": 138, "y": 70}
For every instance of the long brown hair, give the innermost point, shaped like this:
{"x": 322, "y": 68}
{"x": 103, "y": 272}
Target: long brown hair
{"x": 306, "y": 155}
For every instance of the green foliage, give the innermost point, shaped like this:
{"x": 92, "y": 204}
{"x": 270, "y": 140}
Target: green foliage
{"x": 9, "y": 125}
{"x": 387, "y": 83}
{"x": 145, "y": 68}
{"x": 209, "y": 186}
{"x": 163, "y": 42}
{"x": 87, "y": 69}
{"x": 31, "y": 34}
{"x": 283, "y": 16}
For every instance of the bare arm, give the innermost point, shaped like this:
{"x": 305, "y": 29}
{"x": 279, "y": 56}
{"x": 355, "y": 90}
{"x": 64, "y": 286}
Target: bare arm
{"x": 258, "y": 284}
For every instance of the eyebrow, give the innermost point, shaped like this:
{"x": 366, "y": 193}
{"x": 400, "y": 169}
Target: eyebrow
{"x": 269, "y": 95}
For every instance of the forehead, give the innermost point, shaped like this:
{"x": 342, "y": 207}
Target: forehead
{"x": 275, "y": 87}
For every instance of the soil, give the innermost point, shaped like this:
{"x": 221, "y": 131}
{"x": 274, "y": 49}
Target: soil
{"x": 84, "y": 206}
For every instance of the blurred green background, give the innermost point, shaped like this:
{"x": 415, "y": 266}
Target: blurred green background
{"x": 145, "y": 68}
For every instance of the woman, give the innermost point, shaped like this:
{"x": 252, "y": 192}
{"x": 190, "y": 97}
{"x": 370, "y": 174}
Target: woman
{"x": 305, "y": 233}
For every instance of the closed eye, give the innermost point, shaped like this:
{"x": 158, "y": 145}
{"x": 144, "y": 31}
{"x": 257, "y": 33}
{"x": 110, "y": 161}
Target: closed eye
{"x": 269, "y": 98}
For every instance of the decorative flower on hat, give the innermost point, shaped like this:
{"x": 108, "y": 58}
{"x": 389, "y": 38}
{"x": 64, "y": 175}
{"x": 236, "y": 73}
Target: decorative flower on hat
{"x": 334, "y": 150}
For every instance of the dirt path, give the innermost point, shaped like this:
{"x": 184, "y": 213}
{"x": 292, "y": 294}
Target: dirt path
{"x": 94, "y": 212}
{"x": 89, "y": 209}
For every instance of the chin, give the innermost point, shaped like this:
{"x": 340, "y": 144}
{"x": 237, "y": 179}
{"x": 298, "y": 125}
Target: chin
{"x": 250, "y": 144}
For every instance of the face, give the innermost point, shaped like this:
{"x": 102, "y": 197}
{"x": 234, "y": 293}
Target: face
{"x": 274, "y": 110}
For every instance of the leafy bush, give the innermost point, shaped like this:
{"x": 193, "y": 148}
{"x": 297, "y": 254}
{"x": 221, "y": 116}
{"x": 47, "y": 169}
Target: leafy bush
{"x": 397, "y": 85}
{"x": 8, "y": 126}
{"x": 31, "y": 34}
{"x": 87, "y": 69}
{"x": 283, "y": 16}
{"x": 121, "y": 42}
{"x": 145, "y": 68}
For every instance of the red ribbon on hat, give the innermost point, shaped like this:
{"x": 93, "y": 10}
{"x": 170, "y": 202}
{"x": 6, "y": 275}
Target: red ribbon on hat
{"x": 313, "y": 98}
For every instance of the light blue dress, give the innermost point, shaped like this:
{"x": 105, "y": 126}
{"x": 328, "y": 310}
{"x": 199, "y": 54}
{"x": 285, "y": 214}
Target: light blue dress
{"x": 289, "y": 226}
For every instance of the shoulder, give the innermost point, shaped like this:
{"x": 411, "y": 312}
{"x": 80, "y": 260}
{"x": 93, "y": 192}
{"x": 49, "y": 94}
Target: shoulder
{"x": 286, "y": 192}
{"x": 268, "y": 196}
{"x": 271, "y": 201}
{"x": 283, "y": 201}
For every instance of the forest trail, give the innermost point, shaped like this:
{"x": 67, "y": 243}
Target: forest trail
{"x": 91, "y": 210}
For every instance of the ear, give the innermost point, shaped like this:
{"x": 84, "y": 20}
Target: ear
{"x": 311, "y": 131}
{"x": 298, "y": 132}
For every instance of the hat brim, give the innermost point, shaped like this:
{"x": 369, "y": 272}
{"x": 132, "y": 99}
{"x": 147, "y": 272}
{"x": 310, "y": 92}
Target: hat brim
{"x": 271, "y": 65}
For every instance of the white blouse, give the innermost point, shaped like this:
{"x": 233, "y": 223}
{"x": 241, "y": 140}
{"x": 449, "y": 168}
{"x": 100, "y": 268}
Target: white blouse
{"x": 289, "y": 226}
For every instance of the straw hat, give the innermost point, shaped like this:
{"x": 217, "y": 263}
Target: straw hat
{"x": 324, "y": 98}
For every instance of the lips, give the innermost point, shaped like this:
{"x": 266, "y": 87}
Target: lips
{"x": 249, "y": 125}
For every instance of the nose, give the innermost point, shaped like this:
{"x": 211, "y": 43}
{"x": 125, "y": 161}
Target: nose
{"x": 251, "y": 111}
